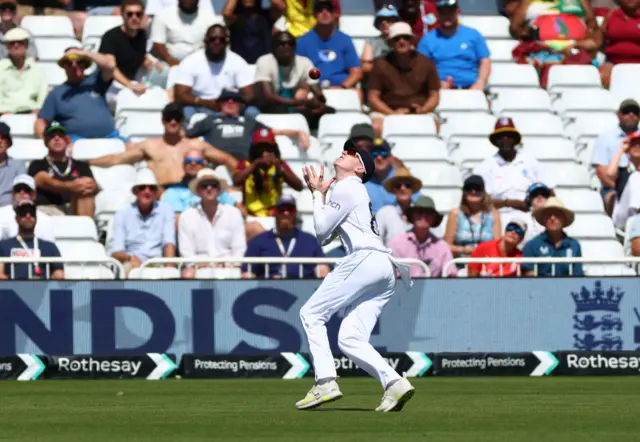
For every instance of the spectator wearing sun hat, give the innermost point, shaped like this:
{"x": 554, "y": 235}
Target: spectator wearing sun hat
{"x": 8, "y": 22}
{"x": 144, "y": 229}
{"x": 210, "y": 229}
{"x": 23, "y": 85}
{"x": 553, "y": 242}
{"x": 391, "y": 218}
{"x": 503, "y": 247}
{"x": 509, "y": 173}
{"x": 375, "y": 47}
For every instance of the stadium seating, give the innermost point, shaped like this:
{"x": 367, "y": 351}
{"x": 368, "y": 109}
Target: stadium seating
{"x": 48, "y": 26}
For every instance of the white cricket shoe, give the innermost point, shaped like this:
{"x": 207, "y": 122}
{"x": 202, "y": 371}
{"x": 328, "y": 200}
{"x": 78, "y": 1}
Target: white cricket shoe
{"x": 320, "y": 394}
{"x": 396, "y": 396}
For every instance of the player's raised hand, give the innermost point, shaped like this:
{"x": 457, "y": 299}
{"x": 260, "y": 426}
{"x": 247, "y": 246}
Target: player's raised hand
{"x": 315, "y": 181}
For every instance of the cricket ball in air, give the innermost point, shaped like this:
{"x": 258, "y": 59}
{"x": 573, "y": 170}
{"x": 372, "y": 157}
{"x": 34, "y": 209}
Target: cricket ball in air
{"x": 314, "y": 74}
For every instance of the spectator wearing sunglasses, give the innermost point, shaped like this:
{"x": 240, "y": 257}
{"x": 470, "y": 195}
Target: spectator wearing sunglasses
{"x": 178, "y": 30}
{"x": 65, "y": 186}
{"x": 251, "y": 26}
{"x": 504, "y": 247}
{"x": 378, "y": 46}
{"x": 9, "y": 21}
{"x": 404, "y": 81}
{"x": 537, "y": 196}
{"x": 284, "y": 82}
{"x": 24, "y": 189}
{"x": 460, "y": 53}
{"x": 79, "y": 104}
{"x": 391, "y": 218}
{"x": 26, "y": 244}
{"x": 300, "y": 18}
{"x": 331, "y": 50}
{"x": 475, "y": 221}
{"x": 144, "y": 229}
{"x": 128, "y": 44}
{"x": 286, "y": 240}
{"x": 210, "y": 229}
{"x": 607, "y": 144}
{"x": 385, "y": 170}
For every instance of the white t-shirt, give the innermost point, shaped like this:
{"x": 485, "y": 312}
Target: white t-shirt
{"x": 208, "y": 79}
{"x": 293, "y": 77}
{"x": 9, "y": 226}
{"x": 182, "y": 33}
{"x": 510, "y": 180}
{"x": 153, "y": 7}
{"x": 629, "y": 203}
{"x": 224, "y": 237}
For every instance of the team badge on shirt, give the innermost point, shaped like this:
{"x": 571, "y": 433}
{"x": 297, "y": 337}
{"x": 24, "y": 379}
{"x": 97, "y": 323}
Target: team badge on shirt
{"x": 327, "y": 55}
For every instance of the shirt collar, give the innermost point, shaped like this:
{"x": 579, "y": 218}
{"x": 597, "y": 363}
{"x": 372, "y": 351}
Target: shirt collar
{"x": 565, "y": 243}
{"x": 430, "y": 239}
{"x": 274, "y": 233}
{"x": 502, "y": 162}
{"x": 154, "y": 209}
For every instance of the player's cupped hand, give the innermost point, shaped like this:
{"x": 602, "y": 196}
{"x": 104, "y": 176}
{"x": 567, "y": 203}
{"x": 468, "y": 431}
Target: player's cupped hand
{"x": 315, "y": 181}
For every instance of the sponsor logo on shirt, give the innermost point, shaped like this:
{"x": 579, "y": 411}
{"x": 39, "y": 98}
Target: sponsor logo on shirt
{"x": 327, "y": 55}
{"x": 333, "y": 205}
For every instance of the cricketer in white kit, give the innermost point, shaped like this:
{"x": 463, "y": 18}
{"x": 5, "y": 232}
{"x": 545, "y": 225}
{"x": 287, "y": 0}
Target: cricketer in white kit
{"x": 363, "y": 282}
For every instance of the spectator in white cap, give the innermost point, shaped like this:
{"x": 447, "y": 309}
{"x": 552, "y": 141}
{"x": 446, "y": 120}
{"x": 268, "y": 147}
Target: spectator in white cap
{"x": 404, "y": 81}
{"x": 9, "y": 167}
{"x": 23, "y": 85}
{"x": 24, "y": 189}
{"x": 9, "y": 21}
{"x": 210, "y": 229}
{"x": 145, "y": 228}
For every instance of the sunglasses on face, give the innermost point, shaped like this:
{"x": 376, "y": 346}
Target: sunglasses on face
{"x": 285, "y": 209}
{"x": 146, "y": 187}
{"x": 473, "y": 190}
{"x": 380, "y": 153}
{"x": 10, "y": 6}
{"x": 402, "y": 184}
{"x": 172, "y": 118}
{"x": 206, "y": 184}
{"x": 191, "y": 160}
{"x": 22, "y": 188}
{"x": 52, "y": 135}
{"x": 630, "y": 110}
{"x": 402, "y": 38}
{"x": 351, "y": 152}
{"x": 24, "y": 211}
{"x": 130, "y": 14}
{"x": 16, "y": 43}
{"x": 286, "y": 43}
{"x": 540, "y": 193}
{"x": 74, "y": 63}
{"x": 515, "y": 228}
{"x": 322, "y": 8}
{"x": 216, "y": 39}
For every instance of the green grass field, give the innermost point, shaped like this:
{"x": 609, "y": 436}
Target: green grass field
{"x": 454, "y": 409}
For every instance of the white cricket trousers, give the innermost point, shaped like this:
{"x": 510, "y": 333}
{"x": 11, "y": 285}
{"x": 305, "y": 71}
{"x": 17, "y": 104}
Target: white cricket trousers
{"x": 363, "y": 282}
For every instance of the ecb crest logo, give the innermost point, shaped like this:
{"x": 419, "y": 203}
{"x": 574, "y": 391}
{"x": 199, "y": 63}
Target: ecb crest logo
{"x": 597, "y": 318}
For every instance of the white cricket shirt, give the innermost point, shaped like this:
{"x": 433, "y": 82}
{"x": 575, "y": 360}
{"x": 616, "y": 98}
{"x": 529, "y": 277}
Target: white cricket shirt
{"x": 629, "y": 202}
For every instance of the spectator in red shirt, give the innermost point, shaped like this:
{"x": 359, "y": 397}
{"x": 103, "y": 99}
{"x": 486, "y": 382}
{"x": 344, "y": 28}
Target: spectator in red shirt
{"x": 621, "y": 31}
{"x": 505, "y": 247}
{"x": 421, "y": 15}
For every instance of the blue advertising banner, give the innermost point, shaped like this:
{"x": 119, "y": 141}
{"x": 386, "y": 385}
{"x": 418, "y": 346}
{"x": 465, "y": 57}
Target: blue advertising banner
{"x": 258, "y": 317}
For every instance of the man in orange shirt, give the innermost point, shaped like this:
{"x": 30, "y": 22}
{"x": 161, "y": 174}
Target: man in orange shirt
{"x": 505, "y": 247}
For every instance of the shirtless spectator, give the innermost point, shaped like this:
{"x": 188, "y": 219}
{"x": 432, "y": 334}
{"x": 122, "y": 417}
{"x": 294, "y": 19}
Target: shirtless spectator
{"x": 232, "y": 133}
{"x": 165, "y": 155}
{"x": 404, "y": 81}
{"x": 178, "y": 31}
{"x": 203, "y": 75}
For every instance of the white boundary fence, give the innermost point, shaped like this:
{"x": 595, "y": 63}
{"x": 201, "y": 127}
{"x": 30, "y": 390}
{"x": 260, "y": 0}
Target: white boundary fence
{"x": 110, "y": 263}
{"x": 621, "y": 263}
{"x": 267, "y": 262}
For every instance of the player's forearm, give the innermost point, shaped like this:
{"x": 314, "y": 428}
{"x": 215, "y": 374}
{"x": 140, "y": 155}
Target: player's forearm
{"x": 323, "y": 226}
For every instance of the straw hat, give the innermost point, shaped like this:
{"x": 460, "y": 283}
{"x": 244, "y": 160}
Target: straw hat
{"x": 206, "y": 175}
{"x": 553, "y": 204}
{"x": 403, "y": 174}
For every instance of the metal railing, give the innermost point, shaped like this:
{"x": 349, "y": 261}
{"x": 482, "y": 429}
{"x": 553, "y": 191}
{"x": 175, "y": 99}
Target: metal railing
{"x": 266, "y": 262}
{"x": 630, "y": 260}
{"x": 110, "y": 263}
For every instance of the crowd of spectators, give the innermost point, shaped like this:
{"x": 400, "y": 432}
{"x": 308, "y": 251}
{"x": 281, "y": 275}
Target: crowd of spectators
{"x": 227, "y": 69}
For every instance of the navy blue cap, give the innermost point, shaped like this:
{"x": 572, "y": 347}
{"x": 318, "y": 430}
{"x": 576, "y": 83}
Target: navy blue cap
{"x": 381, "y": 145}
{"x": 365, "y": 158}
{"x": 286, "y": 200}
{"x": 227, "y": 94}
{"x": 537, "y": 187}
{"x": 474, "y": 182}
{"x": 446, "y": 4}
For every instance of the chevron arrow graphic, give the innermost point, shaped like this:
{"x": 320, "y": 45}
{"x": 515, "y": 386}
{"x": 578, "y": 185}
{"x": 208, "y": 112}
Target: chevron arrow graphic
{"x": 34, "y": 369}
{"x": 548, "y": 363}
{"x": 421, "y": 364}
{"x": 164, "y": 366}
{"x": 299, "y": 365}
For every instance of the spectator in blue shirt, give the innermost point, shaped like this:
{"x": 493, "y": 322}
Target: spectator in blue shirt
{"x": 553, "y": 242}
{"x": 331, "y": 50}
{"x": 460, "y": 53}
{"x": 27, "y": 245}
{"x": 285, "y": 241}
{"x": 380, "y": 197}
{"x": 79, "y": 104}
{"x": 144, "y": 229}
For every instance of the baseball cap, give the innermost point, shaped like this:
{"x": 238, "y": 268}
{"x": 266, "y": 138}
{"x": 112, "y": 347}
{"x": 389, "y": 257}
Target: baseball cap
{"x": 474, "y": 182}
{"x": 540, "y": 188}
{"x": 16, "y": 34}
{"x": 629, "y": 105}
{"x": 263, "y": 136}
{"x": 25, "y": 179}
{"x": 518, "y": 222}
{"x": 380, "y": 145}
{"x": 399, "y": 29}
{"x": 55, "y": 126}
{"x": 387, "y": 11}
{"x": 5, "y": 130}
{"x": 227, "y": 94}
{"x": 365, "y": 159}
{"x": 286, "y": 200}
{"x": 446, "y": 4}
{"x": 173, "y": 111}
{"x": 362, "y": 130}
{"x": 322, "y": 4}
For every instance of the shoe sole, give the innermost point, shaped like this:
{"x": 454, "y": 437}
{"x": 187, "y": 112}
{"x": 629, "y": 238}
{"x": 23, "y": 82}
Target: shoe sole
{"x": 402, "y": 401}
{"x": 322, "y": 401}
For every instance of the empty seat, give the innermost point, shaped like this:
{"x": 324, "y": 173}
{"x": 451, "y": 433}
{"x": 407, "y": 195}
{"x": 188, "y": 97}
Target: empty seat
{"x": 581, "y": 200}
{"x": 54, "y": 74}
{"x": 74, "y": 227}
{"x": 117, "y": 177}
{"x": 87, "y": 149}
{"x": 339, "y": 126}
{"x": 223, "y": 174}
{"x": 284, "y": 121}
{"x": 21, "y": 124}
{"x": 343, "y": 100}
{"x": 570, "y": 175}
{"x": 472, "y": 125}
{"x": 111, "y": 200}
{"x": 590, "y": 125}
{"x": 624, "y": 78}
{"x": 28, "y": 150}
{"x": 144, "y": 125}
{"x": 537, "y": 124}
{"x": 608, "y": 270}
{"x": 155, "y": 273}
{"x": 445, "y": 199}
{"x": 490, "y": 26}
{"x": 153, "y": 100}
{"x": 521, "y": 100}
{"x": 507, "y": 75}
{"x": 219, "y": 273}
{"x": 96, "y": 25}
{"x": 562, "y": 77}
{"x": 501, "y": 50}
{"x": 409, "y": 125}
{"x": 436, "y": 174}
{"x": 469, "y": 152}
{"x": 297, "y": 166}
{"x": 457, "y": 100}
{"x": 358, "y": 26}
{"x": 90, "y": 272}
{"x": 601, "y": 249}
{"x": 51, "y": 49}
{"x": 592, "y": 226}
{"x": 572, "y": 102}
{"x": 81, "y": 249}
{"x": 417, "y": 149}
{"x": 48, "y": 26}
{"x": 550, "y": 149}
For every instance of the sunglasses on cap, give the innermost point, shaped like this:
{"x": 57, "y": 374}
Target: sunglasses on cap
{"x": 515, "y": 228}
{"x": 25, "y": 210}
{"x": 206, "y": 184}
{"x": 191, "y": 160}
{"x": 380, "y": 153}
{"x": 22, "y": 188}
{"x": 150, "y": 187}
